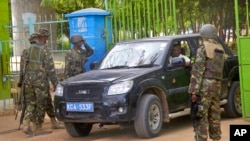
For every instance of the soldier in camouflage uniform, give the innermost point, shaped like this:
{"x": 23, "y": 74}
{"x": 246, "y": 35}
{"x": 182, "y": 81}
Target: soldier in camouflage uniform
{"x": 39, "y": 70}
{"x": 44, "y": 33}
{"x": 205, "y": 84}
{"x": 76, "y": 57}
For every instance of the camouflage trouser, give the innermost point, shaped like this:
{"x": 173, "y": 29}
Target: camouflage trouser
{"x": 50, "y": 107}
{"x": 36, "y": 103}
{"x": 210, "y": 115}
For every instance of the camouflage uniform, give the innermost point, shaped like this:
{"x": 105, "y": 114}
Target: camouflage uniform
{"x": 39, "y": 71}
{"x": 205, "y": 83}
{"x": 76, "y": 57}
{"x": 49, "y": 108}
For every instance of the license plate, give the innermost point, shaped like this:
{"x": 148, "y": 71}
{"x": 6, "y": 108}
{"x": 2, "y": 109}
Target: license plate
{"x": 80, "y": 107}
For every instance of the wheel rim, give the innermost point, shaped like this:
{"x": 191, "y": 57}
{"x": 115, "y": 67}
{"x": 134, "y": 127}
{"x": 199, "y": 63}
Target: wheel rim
{"x": 237, "y": 101}
{"x": 154, "y": 116}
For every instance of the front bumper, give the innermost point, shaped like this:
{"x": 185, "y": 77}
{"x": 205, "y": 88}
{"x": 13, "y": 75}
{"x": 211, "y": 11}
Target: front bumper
{"x": 112, "y": 110}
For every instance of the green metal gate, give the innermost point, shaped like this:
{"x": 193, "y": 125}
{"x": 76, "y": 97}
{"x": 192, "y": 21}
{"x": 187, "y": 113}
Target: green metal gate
{"x": 243, "y": 46}
{"x": 133, "y": 19}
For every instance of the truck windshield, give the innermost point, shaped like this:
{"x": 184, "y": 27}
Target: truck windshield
{"x": 134, "y": 55}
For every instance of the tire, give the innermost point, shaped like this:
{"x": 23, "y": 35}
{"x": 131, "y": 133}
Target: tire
{"x": 233, "y": 108}
{"x": 149, "y": 117}
{"x": 78, "y": 129}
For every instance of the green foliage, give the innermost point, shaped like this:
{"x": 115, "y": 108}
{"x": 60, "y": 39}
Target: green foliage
{"x": 68, "y": 6}
{"x": 63, "y": 43}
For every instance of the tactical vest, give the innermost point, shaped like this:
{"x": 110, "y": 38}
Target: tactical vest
{"x": 215, "y": 62}
{"x": 34, "y": 72}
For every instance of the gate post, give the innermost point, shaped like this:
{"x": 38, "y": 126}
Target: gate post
{"x": 243, "y": 49}
{"x": 4, "y": 54}
{"x": 91, "y": 24}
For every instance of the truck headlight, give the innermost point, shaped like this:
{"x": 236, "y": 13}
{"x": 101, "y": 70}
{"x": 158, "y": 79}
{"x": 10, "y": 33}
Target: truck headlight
{"x": 59, "y": 90}
{"x": 120, "y": 88}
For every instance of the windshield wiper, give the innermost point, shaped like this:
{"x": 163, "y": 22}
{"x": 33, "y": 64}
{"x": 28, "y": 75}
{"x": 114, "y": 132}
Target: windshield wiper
{"x": 118, "y": 67}
{"x": 143, "y": 66}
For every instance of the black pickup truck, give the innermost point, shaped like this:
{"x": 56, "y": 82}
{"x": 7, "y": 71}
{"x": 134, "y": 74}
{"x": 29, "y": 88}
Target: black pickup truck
{"x": 135, "y": 84}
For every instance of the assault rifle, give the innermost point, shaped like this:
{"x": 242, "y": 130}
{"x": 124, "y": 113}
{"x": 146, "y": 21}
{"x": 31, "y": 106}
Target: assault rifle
{"x": 21, "y": 105}
{"x": 195, "y": 107}
{"x": 22, "y": 99}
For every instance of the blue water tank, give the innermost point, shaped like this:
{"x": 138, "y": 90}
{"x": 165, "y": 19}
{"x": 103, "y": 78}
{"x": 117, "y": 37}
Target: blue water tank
{"x": 91, "y": 24}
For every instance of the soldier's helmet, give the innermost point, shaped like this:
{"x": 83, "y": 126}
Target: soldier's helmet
{"x": 44, "y": 32}
{"x": 208, "y": 31}
{"x": 76, "y": 38}
{"x": 34, "y": 38}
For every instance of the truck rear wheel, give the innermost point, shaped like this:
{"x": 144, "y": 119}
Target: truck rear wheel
{"x": 78, "y": 129}
{"x": 149, "y": 117}
{"x": 233, "y": 107}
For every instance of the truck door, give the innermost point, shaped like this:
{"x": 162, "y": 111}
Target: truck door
{"x": 177, "y": 77}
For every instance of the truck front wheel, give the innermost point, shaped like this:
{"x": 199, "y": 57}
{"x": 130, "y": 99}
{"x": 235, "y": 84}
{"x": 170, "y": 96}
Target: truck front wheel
{"x": 233, "y": 106}
{"x": 78, "y": 129}
{"x": 149, "y": 117}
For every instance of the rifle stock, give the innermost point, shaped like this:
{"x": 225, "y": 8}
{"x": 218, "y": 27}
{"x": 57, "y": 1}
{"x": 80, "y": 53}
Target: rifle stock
{"x": 19, "y": 104}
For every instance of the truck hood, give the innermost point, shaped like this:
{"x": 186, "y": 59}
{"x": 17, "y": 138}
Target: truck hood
{"x": 110, "y": 75}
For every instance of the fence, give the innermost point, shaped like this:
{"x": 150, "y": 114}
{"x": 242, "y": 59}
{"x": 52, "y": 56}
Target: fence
{"x": 12, "y": 49}
{"x": 142, "y": 18}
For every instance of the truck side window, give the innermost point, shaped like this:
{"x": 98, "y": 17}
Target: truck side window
{"x": 181, "y": 49}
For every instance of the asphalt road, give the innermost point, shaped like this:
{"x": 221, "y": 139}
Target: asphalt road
{"x": 179, "y": 129}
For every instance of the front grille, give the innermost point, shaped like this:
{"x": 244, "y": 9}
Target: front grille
{"x": 86, "y": 92}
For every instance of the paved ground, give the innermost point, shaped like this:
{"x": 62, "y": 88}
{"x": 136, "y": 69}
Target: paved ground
{"x": 179, "y": 129}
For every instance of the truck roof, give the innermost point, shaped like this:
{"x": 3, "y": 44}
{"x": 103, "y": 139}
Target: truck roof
{"x": 169, "y": 37}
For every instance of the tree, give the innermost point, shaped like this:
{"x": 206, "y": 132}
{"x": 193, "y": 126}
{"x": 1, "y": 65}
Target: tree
{"x": 68, "y": 6}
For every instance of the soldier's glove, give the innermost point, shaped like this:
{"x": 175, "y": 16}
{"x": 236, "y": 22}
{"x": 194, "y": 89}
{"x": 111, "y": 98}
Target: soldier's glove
{"x": 19, "y": 84}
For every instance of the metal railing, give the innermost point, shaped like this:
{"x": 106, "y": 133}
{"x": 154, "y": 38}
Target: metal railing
{"x": 10, "y": 51}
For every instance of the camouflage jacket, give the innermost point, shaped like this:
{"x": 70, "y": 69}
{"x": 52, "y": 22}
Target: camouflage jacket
{"x": 206, "y": 67}
{"x": 75, "y": 60}
{"x": 37, "y": 66}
